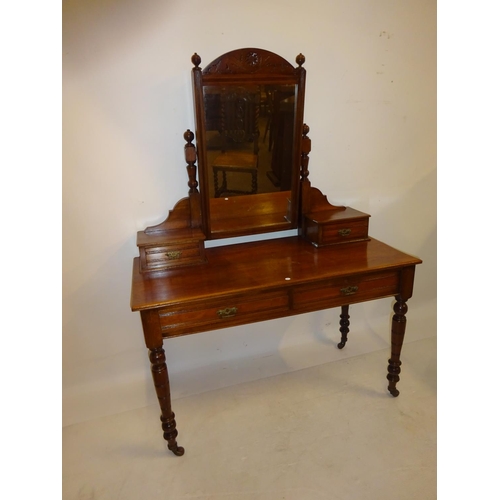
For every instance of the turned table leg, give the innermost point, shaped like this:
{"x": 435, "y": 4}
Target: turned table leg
{"x": 162, "y": 386}
{"x": 344, "y": 326}
{"x": 397, "y": 337}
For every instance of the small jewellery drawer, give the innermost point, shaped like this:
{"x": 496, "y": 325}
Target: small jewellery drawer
{"x": 165, "y": 257}
{"x": 335, "y": 226}
{"x": 215, "y": 314}
{"x": 341, "y": 232}
{"x": 345, "y": 290}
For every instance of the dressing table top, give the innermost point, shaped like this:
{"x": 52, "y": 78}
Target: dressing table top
{"x": 250, "y": 267}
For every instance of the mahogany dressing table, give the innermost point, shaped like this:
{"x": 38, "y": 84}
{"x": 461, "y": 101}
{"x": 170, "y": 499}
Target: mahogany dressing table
{"x": 180, "y": 287}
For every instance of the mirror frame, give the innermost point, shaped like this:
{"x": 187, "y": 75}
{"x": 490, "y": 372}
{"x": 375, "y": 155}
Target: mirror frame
{"x": 255, "y": 67}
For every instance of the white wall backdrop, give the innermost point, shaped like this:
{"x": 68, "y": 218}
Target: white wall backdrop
{"x": 371, "y": 107}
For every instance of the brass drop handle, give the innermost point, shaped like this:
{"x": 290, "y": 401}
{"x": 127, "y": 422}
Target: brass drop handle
{"x": 344, "y": 232}
{"x": 228, "y": 312}
{"x": 174, "y": 255}
{"x": 349, "y": 290}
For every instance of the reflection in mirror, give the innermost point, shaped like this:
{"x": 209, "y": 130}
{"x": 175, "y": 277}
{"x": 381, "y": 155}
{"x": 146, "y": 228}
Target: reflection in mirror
{"x": 249, "y": 137}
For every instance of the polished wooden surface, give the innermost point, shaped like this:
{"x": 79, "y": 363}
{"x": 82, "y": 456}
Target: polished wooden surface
{"x": 244, "y": 215}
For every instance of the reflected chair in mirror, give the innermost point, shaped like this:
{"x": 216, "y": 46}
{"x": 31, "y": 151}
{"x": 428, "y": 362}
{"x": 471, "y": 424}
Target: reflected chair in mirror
{"x": 238, "y": 161}
{"x": 267, "y": 107}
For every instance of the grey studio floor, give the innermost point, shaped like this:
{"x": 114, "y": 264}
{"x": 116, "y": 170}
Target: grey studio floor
{"x": 327, "y": 432}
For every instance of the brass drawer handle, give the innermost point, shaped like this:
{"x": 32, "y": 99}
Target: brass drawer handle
{"x": 344, "y": 232}
{"x": 349, "y": 290}
{"x": 174, "y": 255}
{"x": 228, "y": 312}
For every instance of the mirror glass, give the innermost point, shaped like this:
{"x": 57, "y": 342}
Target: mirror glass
{"x": 249, "y": 138}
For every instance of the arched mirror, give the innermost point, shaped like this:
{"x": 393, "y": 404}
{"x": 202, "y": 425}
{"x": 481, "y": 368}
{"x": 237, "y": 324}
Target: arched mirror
{"x": 249, "y": 107}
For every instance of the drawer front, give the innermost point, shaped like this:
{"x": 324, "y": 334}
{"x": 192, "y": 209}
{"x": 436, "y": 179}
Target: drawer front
{"x": 344, "y": 231}
{"x": 345, "y": 291}
{"x": 172, "y": 255}
{"x": 215, "y": 314}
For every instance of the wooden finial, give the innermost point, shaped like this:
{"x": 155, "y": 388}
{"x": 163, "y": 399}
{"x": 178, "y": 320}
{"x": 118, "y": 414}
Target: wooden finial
{"x": 188, "y": 136}
{"x": 196, "y": 59}
{"x": 300, "y": 59}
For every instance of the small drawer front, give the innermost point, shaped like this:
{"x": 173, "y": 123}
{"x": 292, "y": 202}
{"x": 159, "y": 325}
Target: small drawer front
{"x": 344, "y": 291}
{"x": 343, "y": 231}
{"x": 169, "y": 256}
{"x": 322, "y": 231}
{"x": 211, "y": 315}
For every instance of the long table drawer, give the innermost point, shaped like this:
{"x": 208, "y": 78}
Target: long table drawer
{"x": 215, "y": 314}
{"x": 341, "y": 291}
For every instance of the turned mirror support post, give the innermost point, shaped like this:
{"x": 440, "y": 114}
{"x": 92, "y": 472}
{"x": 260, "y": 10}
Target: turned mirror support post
{"x": 304, "y": 170}
{"x": 190, "y": 155}
{"x": 194, "y": 195}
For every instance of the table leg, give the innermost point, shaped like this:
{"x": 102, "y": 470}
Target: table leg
{"x": 397, "y": 337}
{"x": 162, "y": 386}
{"x": 344, "y": 326}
